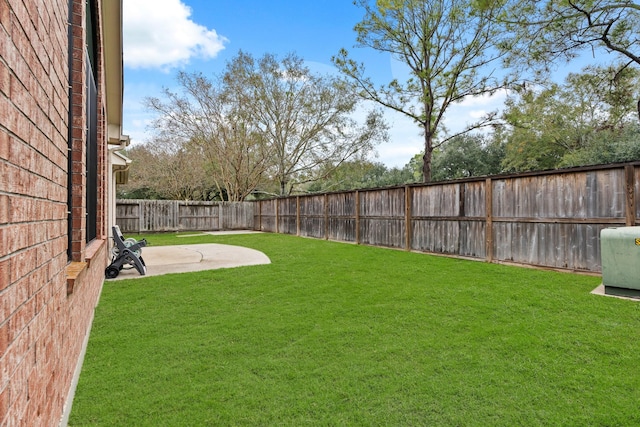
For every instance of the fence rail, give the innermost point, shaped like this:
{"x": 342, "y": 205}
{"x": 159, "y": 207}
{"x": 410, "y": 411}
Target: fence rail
{"x": 548, "y": 219}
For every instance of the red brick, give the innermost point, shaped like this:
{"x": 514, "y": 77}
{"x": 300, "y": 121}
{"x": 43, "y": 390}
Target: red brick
{"x": 38, "y": 186}
{"x": 12, "y": 298}
{"x": 4, "y": 340}
{"x": 42, "y": 299}
{"x": 4, "y": 273}
{"x": 18, "y": 154}
{"x": 4, "y": 208}
{"x": 19, "y": 209}
{"x": 8, "y": 115}
{"x": 5, "y": 244}
{"x": 18, "y": 409}
{"x": 5, "y": 13}
{"x": 4, "y": 400}
{"x": 5, "y": 79}
{"x": 36, "y": 384}
{"x": 5, "y": 142}
{"x": 15, "y": 238}
{"x": 11, "y": 372}
{"x": 20, "y": 319}
{"x": 24, "y": 262}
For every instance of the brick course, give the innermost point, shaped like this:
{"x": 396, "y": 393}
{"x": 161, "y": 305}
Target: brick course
{"x": 42, "y": 325}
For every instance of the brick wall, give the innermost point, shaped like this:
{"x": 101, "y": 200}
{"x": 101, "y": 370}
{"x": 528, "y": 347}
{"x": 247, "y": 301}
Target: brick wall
{"x": 46, "y": 301}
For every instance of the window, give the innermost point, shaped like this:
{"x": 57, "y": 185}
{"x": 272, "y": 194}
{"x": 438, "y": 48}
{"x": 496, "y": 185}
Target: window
{"x": 92, "y": 154}
{"x": 92, "y": 125}
{"x": 82, "y": 200}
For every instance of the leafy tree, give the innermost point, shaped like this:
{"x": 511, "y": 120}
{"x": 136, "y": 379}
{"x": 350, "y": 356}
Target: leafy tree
{"x": 449, "y": 47}
{"x": 562, "y": 125}
{"x": 393, "y": 176}
{"x": 467, "y": 156}
{"x": 604, "y": 95}
{"x": 607, "y": 146}
{"x": 306, "y": 119}
{"x": 542, "y": 129}
{"x": 349, "y": 175}
{"x": 546, "y": 32}
{"x": 414, "y": 168}
{"x": 352, "y": 175}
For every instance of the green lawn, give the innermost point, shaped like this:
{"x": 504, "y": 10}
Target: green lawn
{"x": 332, "y": 334}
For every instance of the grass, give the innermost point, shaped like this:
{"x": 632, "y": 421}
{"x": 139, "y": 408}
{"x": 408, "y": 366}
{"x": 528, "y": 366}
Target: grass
{"x": 338, "y": 334}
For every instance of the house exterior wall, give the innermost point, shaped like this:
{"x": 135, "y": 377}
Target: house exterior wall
{"x": 47, "y": 294}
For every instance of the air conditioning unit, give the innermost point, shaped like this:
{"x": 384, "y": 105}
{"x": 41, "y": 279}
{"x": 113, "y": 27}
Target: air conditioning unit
{"x": 620, "y": 255}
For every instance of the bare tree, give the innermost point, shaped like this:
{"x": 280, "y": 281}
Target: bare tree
{"x": 449, "y": 47}
{"x": 165, "y": 169}
{"x": 306, "y": 119}
{"x": 212, "y": 122}
{"x": 265, "y": 120}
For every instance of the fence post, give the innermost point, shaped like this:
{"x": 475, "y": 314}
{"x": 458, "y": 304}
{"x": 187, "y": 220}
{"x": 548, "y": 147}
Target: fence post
{"x": 630, "y": 205}
{"x": 488, "y": 194}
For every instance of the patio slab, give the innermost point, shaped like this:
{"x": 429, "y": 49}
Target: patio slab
{"x": 186, "y": 258}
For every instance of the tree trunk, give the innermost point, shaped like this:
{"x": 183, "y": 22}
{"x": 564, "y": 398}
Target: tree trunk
{"x": 283, "y": 187}
{"x": 426, "y": 158}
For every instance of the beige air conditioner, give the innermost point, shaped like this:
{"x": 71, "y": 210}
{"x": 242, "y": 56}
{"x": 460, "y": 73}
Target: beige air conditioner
{"x": 620, "y": 255}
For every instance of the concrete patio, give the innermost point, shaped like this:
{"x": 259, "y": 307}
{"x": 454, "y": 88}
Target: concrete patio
{"x": 186, "y": 258}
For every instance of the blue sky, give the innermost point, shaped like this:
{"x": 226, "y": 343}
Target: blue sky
{"x": 162, "y": 37}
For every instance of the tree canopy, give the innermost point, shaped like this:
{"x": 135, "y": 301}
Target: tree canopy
{"x": 467, "y": 156}
{"x": 549, "y": 32}
{"x": 211, "y": 122}
{"x": 559, "y": 125}
{"x": 450, "y": 50}
{"x": 162, "y": 169}
{"x": 357, "y": 174}
{"x": 265, "y": 120}
{"x": 307, "y": 119}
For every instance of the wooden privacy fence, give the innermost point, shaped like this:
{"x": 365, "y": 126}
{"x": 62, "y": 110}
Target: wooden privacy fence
{"x": 547, "y": 219}
{"x": 136, "y": 216}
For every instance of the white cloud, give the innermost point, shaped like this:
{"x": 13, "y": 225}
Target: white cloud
{"x": 477, "y": 114}
{"x": 160, "y": 34}
{"x": 473, "y": 108}
{"x": 484, "y": 99}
